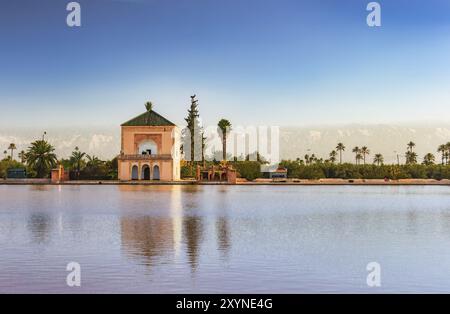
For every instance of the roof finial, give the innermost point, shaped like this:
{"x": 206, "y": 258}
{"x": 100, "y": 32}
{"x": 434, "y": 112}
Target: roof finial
{"x": 149, "y": 105}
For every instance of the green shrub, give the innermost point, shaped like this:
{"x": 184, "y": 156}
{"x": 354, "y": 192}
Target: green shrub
{"x": 351, "y": 171}
{"x": 249, "y": 170}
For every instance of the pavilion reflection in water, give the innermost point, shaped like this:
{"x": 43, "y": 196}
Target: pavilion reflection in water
{"x": 176, "y": 233}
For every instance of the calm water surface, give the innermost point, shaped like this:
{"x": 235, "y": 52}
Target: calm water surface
{"x": 200, "y": 239}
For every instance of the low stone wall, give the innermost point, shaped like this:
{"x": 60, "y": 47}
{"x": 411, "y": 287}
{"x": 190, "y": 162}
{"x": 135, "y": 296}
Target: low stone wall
{"x": 238, "y": 182}
{"x": 25, "y": 181}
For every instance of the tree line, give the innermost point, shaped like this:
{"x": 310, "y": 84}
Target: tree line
{"x": 362, "y": 154}
{"x": 40, "y": 158}
{"x": 313, "y": 167}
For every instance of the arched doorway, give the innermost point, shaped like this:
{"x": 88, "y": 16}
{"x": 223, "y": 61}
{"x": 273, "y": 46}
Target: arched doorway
{"x": 134, "y": 173}
{"x": 145, "y": 172}
{"x": 156, "y": 173}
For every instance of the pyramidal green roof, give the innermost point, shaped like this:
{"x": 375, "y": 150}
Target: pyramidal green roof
{"x": 149, "y": 118}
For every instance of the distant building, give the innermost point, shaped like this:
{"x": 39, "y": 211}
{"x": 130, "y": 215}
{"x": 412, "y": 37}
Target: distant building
{"x": 279, "y": 173}
{"x": 150, "y": 149}
{"x": 59, "y": 174}
{"x": 16, "y": 173}
{"x": 274, "y": 173}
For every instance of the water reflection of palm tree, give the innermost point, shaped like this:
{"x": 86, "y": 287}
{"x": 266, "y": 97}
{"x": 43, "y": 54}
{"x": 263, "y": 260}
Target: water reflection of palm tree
{"x": 40, "y": 225}
{"x": 193, "y": 233}
{"x": 223, "y": 235}
{"x": 222, "y": 223}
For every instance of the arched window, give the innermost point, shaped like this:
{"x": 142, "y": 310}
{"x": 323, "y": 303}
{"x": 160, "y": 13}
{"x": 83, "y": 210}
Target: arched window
{"x": 156, "y": 172}
{"x": 134, "y": 173}
{"x": 148, "y": 147}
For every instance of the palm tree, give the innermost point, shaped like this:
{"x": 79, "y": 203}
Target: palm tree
{"x": 442, "y": 149}
{"x": 12, "y": 147}
{"x": 41, "y": 157}
{"x": 93, "y": 161}
{"x": 448, "y": 151}
{"x": 340, "y": 148}
{"x": 358, "y": 158}
{"x": 76, "y": 160}
{"x": 22, "y": 156}
{"x": 333, "y": 155}
{"x": 224, "y": 127}
{"x": 378, "y": 159}
{"x": 307, "y": 159}
{"x": 411, "y": 158}
{"x": 357, "y": 151}
{"x": 411, "y": 145}
{"x": 365, "y": 151}
{"x": 428, "y": 159}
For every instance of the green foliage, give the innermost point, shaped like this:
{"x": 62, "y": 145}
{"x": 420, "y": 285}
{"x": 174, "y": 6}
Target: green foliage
{"x": 300, "y": 170}
{"x": 187, "y": 171}
{"x": 41, "y": 158}
{"x": 193, "y": 132}
{"x": 249, "y": 170}
{"x": 8, "y": 163}
{"x": 86, "y": 167}
{"x": 95, "y": 169}
{"x": 224, "y": 127}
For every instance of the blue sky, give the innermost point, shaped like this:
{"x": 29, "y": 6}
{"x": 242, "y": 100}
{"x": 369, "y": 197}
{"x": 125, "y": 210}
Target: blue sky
{"x": 273, "y": 62}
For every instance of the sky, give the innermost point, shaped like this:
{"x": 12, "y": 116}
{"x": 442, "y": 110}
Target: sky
{"x": 254, "y": 62}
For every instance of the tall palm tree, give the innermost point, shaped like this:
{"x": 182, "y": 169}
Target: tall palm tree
{"x": 442, "y": 149}
{"x": 333, "y": 156}
{"x": 428, "y": 159}
{"x": 365, "y": 151}
{"x": 12, "y": 147}
{"x": 22, "y": 156}
{"x": 411, "y": 158}
{"x": 340, "y": 148}
{"x": 224, "y": 127}
{"x": 378, "y": 159}
{"x": 41, "y": 157}
{"x": 411, "y": 145}
{"x": 358, "y": 158}
{"x": 77, "y": 159}
{"x": 357, "y": 151}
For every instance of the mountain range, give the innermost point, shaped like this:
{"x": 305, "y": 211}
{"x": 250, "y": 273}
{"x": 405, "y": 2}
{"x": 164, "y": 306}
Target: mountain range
{"x": 388, "y": 140}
